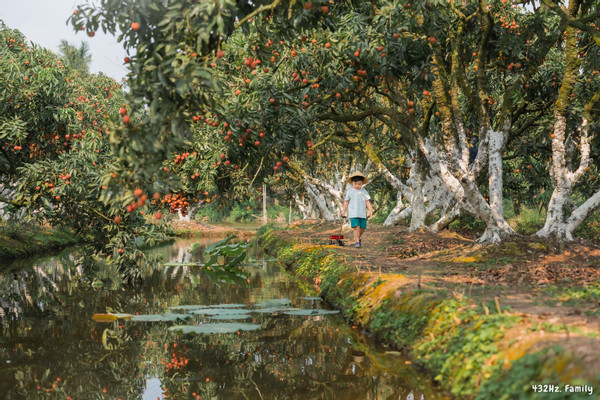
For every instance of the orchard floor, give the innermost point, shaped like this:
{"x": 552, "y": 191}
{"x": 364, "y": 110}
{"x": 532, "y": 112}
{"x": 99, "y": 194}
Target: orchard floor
{"x": 542, "y": 281}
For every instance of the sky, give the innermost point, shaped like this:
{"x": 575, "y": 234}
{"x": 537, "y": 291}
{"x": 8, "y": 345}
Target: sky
{"x": 44, "y": 22}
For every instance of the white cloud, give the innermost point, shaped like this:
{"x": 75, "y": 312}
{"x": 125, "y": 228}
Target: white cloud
{"x": 44, "y": 22}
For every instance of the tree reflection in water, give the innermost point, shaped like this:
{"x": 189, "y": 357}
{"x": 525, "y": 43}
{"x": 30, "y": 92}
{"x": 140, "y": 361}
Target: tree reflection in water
{"x": 50, "y": 348}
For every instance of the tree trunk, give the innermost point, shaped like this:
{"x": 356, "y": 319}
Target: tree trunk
{"x": 469, "y": 198}
{"x": 304, "y": 209}
{"x": 320, "y": 201}
{"x": 447, "y": 217}
{"x": 561, "y": 220}
{"x": 264, "y": 190}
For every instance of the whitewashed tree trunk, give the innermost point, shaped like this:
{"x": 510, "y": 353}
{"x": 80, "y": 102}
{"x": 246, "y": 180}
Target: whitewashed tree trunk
{"x": 496, "y": 144}
{"x": 561, "y": 220}
{"x": 448, "y": 215}
{"x": 417, "y": 217}
{"x": 304, "y": 208}
{"x": 335, "y": 195}
{"x": 401, "y": 191}
{"x": 399, "y": 212}
{"x": 497, "y": 229}
{"x": 467, "y": 195}
{"x": 320, "y": 201}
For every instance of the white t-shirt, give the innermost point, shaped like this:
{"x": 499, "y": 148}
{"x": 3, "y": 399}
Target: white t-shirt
{"x": 357, "y": 206}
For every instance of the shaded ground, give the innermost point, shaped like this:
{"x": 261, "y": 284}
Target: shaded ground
{"x": 558, "y": 286}
{"x": 200, "y": 229}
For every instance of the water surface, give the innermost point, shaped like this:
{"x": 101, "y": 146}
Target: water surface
{"x": 51, "y": 348}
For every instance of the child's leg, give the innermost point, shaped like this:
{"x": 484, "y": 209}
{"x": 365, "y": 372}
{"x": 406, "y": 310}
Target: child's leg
{"x": 357, "y": 233}
{"x": 363, "y": 228}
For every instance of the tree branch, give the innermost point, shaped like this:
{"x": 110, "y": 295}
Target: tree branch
{"x": 259, "y": 10}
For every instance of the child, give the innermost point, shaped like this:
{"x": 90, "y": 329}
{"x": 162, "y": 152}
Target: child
{"x": 357, "y": 200}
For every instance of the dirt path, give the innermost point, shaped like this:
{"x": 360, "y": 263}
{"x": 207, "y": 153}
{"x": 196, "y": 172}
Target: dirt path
{"x": 521, "y": 276}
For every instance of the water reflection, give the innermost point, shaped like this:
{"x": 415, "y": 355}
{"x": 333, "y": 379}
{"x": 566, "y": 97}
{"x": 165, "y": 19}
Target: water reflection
{"x": 51, "y": 348}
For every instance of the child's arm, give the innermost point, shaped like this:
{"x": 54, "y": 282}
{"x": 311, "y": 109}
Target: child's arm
{"x": 345, "y": 208}
{"x": 369, "y": 208}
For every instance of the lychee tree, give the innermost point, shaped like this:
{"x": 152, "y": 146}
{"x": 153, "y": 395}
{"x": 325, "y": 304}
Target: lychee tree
{"x": 56, "y": 163}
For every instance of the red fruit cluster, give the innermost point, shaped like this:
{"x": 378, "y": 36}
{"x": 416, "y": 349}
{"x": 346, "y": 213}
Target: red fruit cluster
{"x": 180, "y": 158}
{"x": 176, "y": 202}
{"x": 251, "y": 63}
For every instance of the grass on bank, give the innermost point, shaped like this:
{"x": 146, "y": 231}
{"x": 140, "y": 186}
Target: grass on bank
{"x": 19, "y": 239}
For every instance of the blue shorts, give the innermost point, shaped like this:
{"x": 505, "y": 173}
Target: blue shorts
{"x": 362, "y": 222}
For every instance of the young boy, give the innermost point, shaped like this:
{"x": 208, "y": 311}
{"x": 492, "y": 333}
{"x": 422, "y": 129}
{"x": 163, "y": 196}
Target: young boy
{"x": 358, "y": 204}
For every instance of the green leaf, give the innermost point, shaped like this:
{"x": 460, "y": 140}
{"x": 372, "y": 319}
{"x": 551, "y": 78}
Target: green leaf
{"x": 274, "y": 303}
{"x": 214, "y": 328}
{"x": 230, "y": 316}
{"x": 200, "y": 307}
{"x": 220, "y": 311}
{"x": 312, "y": 312}
{"x": 168, "y": 317}
{"x": 273, "y": 310}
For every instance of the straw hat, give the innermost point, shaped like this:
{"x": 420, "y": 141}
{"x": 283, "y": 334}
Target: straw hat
{"x": 355, "y": 174}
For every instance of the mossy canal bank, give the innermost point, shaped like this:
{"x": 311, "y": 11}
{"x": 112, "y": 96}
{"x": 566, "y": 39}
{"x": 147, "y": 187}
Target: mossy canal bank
{"x": 475, "y": 346}
{"x": 18, "y": 240}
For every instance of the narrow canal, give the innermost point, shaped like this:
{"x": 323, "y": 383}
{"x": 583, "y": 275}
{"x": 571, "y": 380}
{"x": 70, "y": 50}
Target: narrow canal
{"x": 276, "y": 341}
